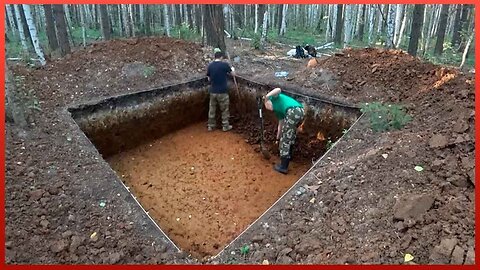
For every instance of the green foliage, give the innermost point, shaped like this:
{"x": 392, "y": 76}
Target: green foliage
{"x": 185, "y": 32}
{"x": 256, "y": 42}
{"x": 329, "y": 143}
{"x": 385, "y": 117}
{"x": 90, "y": 35}
{"x": 245, "y": 250}
{"x": 450, "y": 56}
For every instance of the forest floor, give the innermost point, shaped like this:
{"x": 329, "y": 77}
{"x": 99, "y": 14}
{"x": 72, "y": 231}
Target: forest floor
{"x": 362, "y": 203}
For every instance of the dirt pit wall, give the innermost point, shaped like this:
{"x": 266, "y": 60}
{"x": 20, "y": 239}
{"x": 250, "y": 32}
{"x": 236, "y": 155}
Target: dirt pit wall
{"x": 119, "y": 123}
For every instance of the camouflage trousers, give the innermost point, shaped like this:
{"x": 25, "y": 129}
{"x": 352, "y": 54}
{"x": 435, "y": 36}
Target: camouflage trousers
{"x": 224, "y": 102}
{"x": 293, "y": 118}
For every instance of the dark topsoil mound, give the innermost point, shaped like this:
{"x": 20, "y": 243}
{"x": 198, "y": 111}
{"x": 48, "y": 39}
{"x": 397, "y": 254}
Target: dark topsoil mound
{"x": 360, "y": 214}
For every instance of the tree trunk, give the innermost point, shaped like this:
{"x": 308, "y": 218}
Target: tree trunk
{"x": 441, "y": 30}
{"x": 279, "y": 17}
{"x": 166, "y": 20}
{"x": 429, "y": 33}
{"x": 330, "y": 23}
{"x": 361, "y": 27}
{"x": 371, "y": 24}
{"x": 214, "y": 26}
{"x": 264, "y": 29}
{"x": 435, "y": 21}
{"x": 11, "y": 18}
{"x": 67, "y": 15}
{"x": 121, "y": 30}
{"x": 339, "y": 26}
{"x": 391, "y": 26}
{"x": 125, "y": 20}
{"x": 147, "y": 18}
{"x": 132, "y": 19}
{"x": 50, "y": 28}
{"x": 13, "y": 106}
{"x": 348, "y": 24}
{"x": 283, "y": 27}
{"x": 141, "y": 16}
{"x": 178, "y": 17}
{"x": 456, "y": 26}
{"x": 33, "y": 33}
{"x": 82, "y": 21}
{"x": 398, "y": 22}
{"x": 261, "y": 12}
{"x": 21, "y": 32}
{"x": 61, "y": 26}
{"x": 198, "y": 19}
{"x": 465, "y": 52}
{"x": 402, "y": 28}
{"x": 463, "y": 26}
{"x": 190, "y": 16}
{"x": 416, "y": 29}
{"x": 40, "y": 17}
{"x": 105, "y": 23}
{"x": 256, "y": 18}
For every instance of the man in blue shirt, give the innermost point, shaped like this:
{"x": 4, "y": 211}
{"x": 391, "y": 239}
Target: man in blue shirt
{"x": 217, "y": 72}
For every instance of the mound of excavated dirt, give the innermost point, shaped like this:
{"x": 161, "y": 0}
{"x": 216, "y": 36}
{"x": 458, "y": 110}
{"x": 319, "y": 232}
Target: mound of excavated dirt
{"x": 389, "y": 75}
{"x": 117, "y": 66}
{"x": 357, "y": 205}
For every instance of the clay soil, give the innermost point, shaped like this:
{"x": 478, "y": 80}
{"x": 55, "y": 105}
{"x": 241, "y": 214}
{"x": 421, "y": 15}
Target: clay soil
{"x": 55, "y": 181}
{"x": 202, "y": 188}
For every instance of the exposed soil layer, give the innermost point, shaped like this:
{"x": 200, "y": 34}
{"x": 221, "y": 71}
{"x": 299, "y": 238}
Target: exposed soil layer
{"x": 203, "y": 188}
{"x": 55, "y": 181}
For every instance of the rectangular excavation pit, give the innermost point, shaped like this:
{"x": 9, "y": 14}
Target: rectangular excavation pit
{"x": 204, "y": 188}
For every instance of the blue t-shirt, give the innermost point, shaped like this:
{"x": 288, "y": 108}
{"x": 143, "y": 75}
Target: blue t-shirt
{"x": 217, "y": 71}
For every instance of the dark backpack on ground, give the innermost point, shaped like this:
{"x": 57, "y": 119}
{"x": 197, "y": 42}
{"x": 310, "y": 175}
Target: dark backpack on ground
{"x": 300, "y": 53}
{"x": 311, "y": 50}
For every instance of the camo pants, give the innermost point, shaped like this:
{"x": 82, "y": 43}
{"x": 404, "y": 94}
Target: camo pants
{"x": 293, "y": 118}
{"x": 224, "y": 102}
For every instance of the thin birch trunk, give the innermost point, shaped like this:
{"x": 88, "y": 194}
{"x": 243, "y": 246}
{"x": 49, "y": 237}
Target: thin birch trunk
{"x": 283, "y": 28}
{"x": 402, "y": 28}
{"x": 11, "y": 18}
{"x": 120, "y": 23}
{"x": 465, "y": 51}
{"x": 33, "y": 33}
{"x": 132, "y": 20}
{"x": 23, "y": 38}
{"x": 166, "y": 20}
{"x": 398, "y": 22}
{"x": 82, "y": 21}
{"x": 256, "y": 19}
{"x": 348, "y": 24}
{"x": 264, "y": 29}
{"x": 391, "y": 26}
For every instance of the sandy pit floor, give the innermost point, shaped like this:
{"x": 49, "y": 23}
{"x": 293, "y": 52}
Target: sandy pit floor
{"x": 203, "y": 188}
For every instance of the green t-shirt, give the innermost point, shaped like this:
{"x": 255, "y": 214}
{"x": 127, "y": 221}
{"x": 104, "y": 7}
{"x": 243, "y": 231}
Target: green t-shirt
{"x": 281, "y": 103}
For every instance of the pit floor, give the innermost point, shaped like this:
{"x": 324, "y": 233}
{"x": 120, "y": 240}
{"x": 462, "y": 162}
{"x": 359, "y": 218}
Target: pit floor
{"x": 203, "y": 188}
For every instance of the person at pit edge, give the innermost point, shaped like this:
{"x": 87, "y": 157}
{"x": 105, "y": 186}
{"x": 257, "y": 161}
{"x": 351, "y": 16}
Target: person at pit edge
{"x": 217, "y": 72}
{"x": 290, "y": 114}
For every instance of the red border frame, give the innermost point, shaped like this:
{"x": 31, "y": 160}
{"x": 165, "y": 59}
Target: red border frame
{"x": 2, "y": 139}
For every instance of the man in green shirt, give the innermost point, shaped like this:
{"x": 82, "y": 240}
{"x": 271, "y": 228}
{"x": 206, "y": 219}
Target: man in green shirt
{"x": 289, "y": 113}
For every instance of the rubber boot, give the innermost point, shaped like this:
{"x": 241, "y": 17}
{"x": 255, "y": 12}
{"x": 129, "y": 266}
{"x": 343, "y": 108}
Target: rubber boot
{"x": 283, "y": 166}
{"x": 227, "y": 128}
